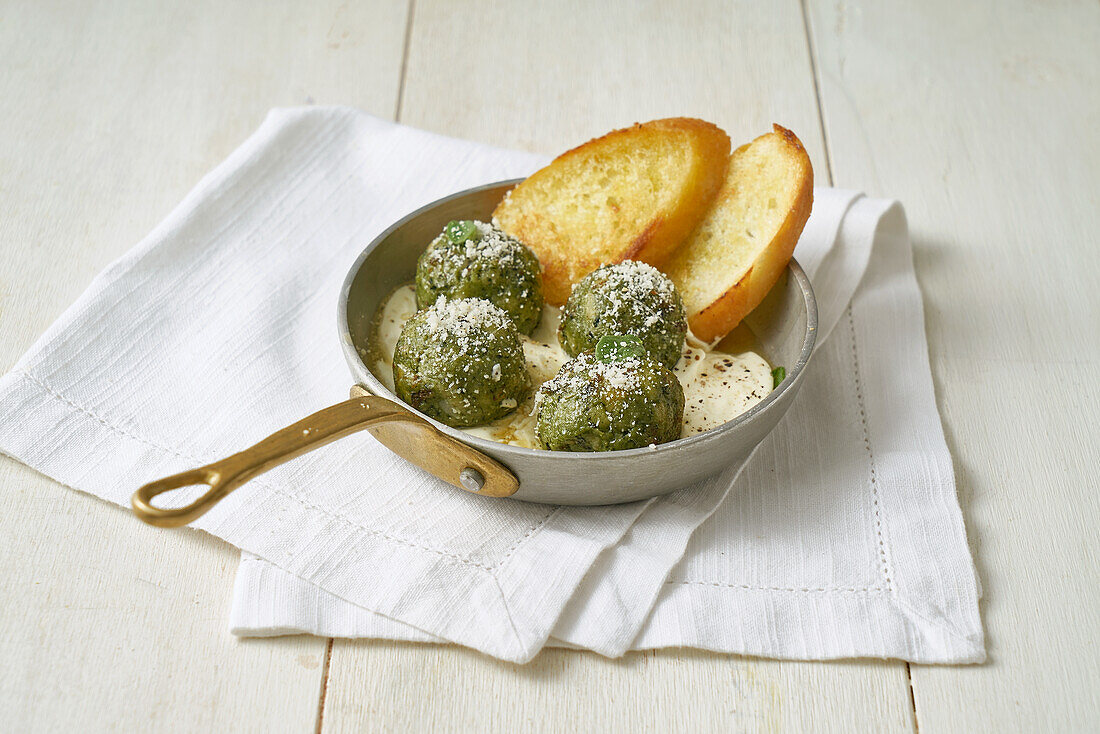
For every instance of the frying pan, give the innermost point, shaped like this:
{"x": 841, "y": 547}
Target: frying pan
{"x": 785, "y": 326}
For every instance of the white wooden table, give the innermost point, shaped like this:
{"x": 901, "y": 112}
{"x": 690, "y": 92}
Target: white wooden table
{"x": 983, "y": 118}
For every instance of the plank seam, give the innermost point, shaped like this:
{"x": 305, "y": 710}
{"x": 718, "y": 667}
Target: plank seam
{"x": 811, "y": 52}
{"x": 912, "y": 697}
{"x": 404, "y": 62}
{"x": 324, "y": 686}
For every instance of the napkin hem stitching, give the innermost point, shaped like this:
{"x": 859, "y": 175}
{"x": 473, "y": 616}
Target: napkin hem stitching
{"x": 535, "y": 529}
{"x": 856, "y": 373}
{"x": 807, "y": 589}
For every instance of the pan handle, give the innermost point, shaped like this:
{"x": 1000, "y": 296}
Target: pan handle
{"x": 447, "y": 458}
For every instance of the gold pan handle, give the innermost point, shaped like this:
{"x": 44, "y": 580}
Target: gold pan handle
{"x": 404, "y": 432}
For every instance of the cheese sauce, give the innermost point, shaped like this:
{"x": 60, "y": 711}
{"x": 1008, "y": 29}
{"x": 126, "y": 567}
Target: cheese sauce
{"x": 717, "y": 386}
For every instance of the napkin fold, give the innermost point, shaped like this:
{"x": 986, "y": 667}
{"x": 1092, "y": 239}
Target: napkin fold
{"x": 841, "y": 536}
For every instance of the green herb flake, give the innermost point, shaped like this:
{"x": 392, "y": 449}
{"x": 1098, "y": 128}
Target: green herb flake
{"x": 778, "y": 375}
{"x": 460, "y": 230}
{"x": 619, "y": 348}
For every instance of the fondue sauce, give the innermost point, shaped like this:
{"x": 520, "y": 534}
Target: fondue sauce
{"x": 717, "y": 386}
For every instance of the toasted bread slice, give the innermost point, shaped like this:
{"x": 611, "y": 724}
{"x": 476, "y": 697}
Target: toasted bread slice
{"x": 735, "y": 256}
{"x": 632, "y": 194}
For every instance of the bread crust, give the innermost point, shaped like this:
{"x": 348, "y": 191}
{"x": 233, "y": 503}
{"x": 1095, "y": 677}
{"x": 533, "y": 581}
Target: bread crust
{"x": 564, "y": 261}
{"x": 724, "y": 313}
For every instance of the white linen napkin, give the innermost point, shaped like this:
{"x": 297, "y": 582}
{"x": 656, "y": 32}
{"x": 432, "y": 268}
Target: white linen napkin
{"x": 842, "y": 537}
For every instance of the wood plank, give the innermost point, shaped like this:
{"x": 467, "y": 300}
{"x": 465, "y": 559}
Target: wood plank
{"x": 111, "y": 624}
{"x": 545, "y": 77}
{"x": 548, "y": 76}
{"x": 396, "y": 686}
{"x": 111, "y": 112}
{"x": 981, "y": 118}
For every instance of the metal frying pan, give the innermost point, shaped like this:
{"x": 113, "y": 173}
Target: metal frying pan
{"x": 785, "y": 325}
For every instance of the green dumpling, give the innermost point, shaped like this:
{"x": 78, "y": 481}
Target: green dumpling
{"x": 477, "y": 260}
{"x": 461, "y": 362}
{"x": 614, "y": 399}
{"x": 625, "y": 298}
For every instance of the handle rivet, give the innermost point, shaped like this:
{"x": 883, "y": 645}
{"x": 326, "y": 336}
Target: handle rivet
{"x": 471, "y": 479}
